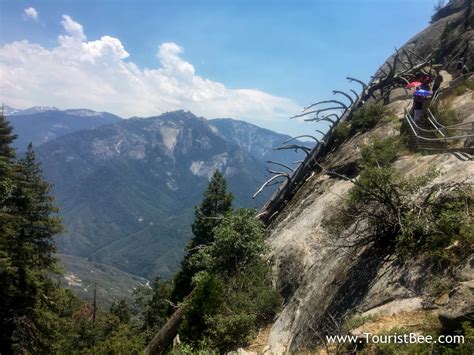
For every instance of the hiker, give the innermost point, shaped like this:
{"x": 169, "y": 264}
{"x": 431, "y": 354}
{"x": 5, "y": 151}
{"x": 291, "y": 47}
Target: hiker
{"x": 419, "y": 96}
{"x": 417, "y": 106}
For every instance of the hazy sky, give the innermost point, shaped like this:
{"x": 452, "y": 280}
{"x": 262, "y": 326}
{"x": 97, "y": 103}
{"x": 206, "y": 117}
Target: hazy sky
{"x": 259, "y": 61}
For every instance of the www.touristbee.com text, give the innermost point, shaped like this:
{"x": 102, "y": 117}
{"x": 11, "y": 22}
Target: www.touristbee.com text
{"x": 410, "y": 338}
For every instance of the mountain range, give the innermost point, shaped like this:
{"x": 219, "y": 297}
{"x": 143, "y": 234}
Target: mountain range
{"x": 127, "y": 187}
{"x": 40, "y": 124}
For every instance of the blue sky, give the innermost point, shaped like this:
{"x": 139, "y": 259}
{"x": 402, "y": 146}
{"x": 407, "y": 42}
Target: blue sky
{"x": 254, "y": 60}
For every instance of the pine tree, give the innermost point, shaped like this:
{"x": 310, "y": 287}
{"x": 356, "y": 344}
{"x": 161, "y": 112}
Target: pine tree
{"x": 7, "y": 154}
{"x": 40, "y": 226}
{"x": 216, "y": 203}
{"x": 8, "y": 269}
{"x": 209, "y": 213}
{"x": 27, "y": 228}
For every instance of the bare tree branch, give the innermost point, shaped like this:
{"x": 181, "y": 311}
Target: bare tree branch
{"x": 408, "y": 57}
{"x": 269, "y": 181}
{"x": 364, "y": 85}
{"x": 351, "y": 100}
{"x": 321, "y": 132}
{"x": 303, "y": 135}
{"x": 303, "y": 114}
{"x": 326, "y": 102}
{"x": 327, "y": 116}
{"x": 355, "y": 94}
{"x": 295, "y": 147}
{"x": 280, "y": 164}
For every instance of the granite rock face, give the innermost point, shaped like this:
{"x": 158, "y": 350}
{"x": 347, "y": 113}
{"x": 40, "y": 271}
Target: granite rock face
{"x": 460, "y": 306}
{"x": 319, "y": 279}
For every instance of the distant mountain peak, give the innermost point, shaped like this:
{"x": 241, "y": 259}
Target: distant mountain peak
{"x": 37, "y": 109}
{"x": 180, "y": 114}
{"x": 84, "y": 112}
{"x": 11, "y": 111}
{"x": 40, "y": 124}
{"x": 8, "y": 110}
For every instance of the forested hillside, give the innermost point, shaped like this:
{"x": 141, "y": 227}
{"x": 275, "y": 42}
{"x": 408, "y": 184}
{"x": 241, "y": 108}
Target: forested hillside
{"x": 127, "y": 190}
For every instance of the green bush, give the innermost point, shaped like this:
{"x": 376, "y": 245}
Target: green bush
{"x": 407, "y": 214}
{"x": 206, "y": 302}
{"x": 123, "y": 340}
{"x": 366, "y": 117}
{"x": 250, "y": 302}
{"x": 463, "y": 88}
{"x": 445, "y": 232}
{"x": 239, "y": 240}
{"x": 252, "y": 291}
{"x": 445, "y": 116}
{"x": 342, "y": 132}
{"x": 231, "y": 331}
{"x": 381, "y": 152}
{"x": 234, "y": 294}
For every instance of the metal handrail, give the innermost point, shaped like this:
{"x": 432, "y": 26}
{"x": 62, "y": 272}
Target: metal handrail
{"x": 435, "y": 126}
{"x": 412, "y": 123}
{"x": 450, "y": 126}
{"x": 435, "y": 97}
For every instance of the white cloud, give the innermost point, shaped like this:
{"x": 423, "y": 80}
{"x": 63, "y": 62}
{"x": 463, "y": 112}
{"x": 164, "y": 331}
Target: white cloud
{"x": 31, "y": 13}
{"x": 74, "y": 30}
{"x": 97, "y": 75}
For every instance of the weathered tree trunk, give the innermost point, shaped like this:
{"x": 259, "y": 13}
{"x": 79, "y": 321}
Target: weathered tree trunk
{"x": 164, "y": 338}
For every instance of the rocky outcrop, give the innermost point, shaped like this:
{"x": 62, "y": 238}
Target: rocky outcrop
{"x": 460, "y": 307}
{"x": 450, "y": 35}
{"x": 321, "y": 280}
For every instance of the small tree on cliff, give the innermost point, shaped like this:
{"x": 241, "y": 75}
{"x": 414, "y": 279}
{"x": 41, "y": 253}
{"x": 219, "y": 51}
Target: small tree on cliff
{"x": 209, "y": 213}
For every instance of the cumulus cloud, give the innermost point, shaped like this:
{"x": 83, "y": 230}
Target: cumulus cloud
{"x": 97, "y": 74}
{"x": 31, "y": 13}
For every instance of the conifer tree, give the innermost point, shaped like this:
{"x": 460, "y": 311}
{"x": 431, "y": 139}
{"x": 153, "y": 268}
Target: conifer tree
{"x": 209, "y": 214}
{"x": 7, "y": 233}
{"x": 41, "y": 225}
{"x": 27, "y": 228}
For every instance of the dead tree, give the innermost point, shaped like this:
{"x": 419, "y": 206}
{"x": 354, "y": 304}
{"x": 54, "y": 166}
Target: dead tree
{"x": 396, "y": 72}
{"x": 164, "y": 338}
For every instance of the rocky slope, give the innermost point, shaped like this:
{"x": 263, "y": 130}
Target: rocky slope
{"x": 320, "y": 280}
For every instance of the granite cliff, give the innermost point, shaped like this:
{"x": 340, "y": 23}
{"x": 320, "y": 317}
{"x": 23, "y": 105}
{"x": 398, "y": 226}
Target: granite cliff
{"x": 323, "y": 283}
